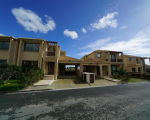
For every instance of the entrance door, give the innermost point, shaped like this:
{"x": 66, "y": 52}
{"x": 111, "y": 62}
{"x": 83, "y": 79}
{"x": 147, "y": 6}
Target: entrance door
{"x": 51, "y": 68}
{"x": 98, "y": 71}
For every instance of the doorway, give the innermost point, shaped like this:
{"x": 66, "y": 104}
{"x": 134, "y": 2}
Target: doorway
{"x": 51, "y": 68}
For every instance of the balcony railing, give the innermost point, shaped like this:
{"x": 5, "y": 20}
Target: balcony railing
{"x": 50, "y": 53}
{"x": 116, "y": 60}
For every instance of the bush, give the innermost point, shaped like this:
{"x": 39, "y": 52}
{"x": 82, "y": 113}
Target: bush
{"x": 10, "y": 85}
{"x": 122, "y": 75}
{"x": 23, "y": 74}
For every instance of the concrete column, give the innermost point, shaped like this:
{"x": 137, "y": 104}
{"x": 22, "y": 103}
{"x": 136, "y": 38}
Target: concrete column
{"x": 141, "y": 69}
{"x": 81, "y": 67}
{"x": 41, "y": 53}
{"x": 149, "y": 61}
{"x": 144, "y": 65}
{"x": 19, "y": 53}
{"x": 108, "y": 56}
{"x": 95, "y": 70}
{"x": 101, "y": 71}
{"x": 122, "y": 57}
{"x": 10, "y": 52}
{"x": 109, "y": 70}
{"x": 136, "y": 69}
{"x": 56, "y": 62}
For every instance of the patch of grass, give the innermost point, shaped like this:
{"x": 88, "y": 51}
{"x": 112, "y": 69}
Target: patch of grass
{"x": 11, "y": 85}
{"x": 132, "y": 80}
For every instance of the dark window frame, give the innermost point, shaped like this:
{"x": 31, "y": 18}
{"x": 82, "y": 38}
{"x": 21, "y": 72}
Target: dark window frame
{"x": 133, "y": 69}
{"x": 31, "y": 63}
{"x": 2, "y": 61}
{"x": 62, "y": 54}
{"x": 54, "y": 49}
{"x": 98, "y": 54}
{"x": 3, "y": 44}
{"x": 112, "y": 54}
{"x": 31, "y": 47}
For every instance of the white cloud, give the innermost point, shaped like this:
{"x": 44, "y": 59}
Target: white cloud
{"x": 84, "y": 30}
{"x": 137, "y": 45}
{"x": 94, "y": 45}
{"x": 97, "y": 44}
{"x": 71, "y": 34}
{"x": 2, "y": 34}
{"x": 31, "y": 21}
{"x": 124, "y": 27}
{"x": 106, "y": 21}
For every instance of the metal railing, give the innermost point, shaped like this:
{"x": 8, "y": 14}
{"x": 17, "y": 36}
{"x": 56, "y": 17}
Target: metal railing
{"x": 116, "y": 60}
{"x": 50, "y": 53}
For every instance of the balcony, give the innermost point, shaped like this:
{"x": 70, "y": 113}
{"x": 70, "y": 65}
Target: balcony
{"x": 50, "y": 53}
{"x": 116, "y": 60}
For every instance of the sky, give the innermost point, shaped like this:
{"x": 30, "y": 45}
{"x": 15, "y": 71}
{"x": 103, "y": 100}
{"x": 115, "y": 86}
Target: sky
{"x": 81, "y": 26}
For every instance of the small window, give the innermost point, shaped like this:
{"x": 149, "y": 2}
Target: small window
{"x": 113, "y": 67}
{"x": 141, "y": 61}
{"x": 98, "y": 55}
{"x": 133, "y": 69}
{"x": 62, "y": 54}
{"x": 4, "y": 45}
{"x": 84, "y": 58}
{"x": 54, "y": 49}
{"x": 3, "y": 61}
{"x": 129, "y": 59}
{"x": 31, "y": 47}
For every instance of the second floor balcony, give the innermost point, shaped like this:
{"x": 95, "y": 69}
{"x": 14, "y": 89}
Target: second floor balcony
{"x": 115, "y": 60}
{"x": 50, "y": 54}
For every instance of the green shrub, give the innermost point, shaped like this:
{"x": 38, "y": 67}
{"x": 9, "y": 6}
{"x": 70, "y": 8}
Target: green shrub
{"x": 122, "y": 75}
{"x": 23, "y": 74}
{"x": 11, "y": 85}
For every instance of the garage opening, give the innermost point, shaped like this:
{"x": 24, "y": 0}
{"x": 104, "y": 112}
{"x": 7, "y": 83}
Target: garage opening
{"x": 70, "y": 70}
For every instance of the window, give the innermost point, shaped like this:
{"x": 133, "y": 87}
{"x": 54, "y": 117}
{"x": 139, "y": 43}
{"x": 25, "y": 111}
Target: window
{"x": 113, "y": 67}
{"x": 4, "y": 45}
{"x": 98, "y": 55}
{"x": 31, "y": 47}
{"x": 30, "y": 64}
{"x": 133, "y": 69}
{"x": 139, "y": 69}
{"x": 62, "y": 54}
{"x": 129, "y": 59}
{"x": 137, "y": 60}
{"x": 112, "y": 56}
{"x": 54, "y": 49}
{"x": 3, "y": 61}
{"x": 84, "y": 58}
{"x": 141, "y": 61}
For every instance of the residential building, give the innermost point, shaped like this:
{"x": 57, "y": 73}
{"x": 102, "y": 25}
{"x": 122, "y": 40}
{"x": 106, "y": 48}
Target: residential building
{"x": 49, "y": 56}
{"x": 102, "y": 62}
{"x": 135, "y": 64}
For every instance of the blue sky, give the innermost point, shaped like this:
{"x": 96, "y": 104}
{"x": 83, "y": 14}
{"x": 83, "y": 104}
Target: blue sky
{"x": 81, "y": 26}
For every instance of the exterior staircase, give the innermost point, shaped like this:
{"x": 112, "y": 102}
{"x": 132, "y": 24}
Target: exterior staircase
{"x": 48, "y": 77}
{"x": 110, "y": 79}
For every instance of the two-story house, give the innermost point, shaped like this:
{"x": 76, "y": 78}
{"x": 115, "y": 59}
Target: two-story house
{"x": 135, "y": 64}
{"x": 102, "y": 62}
{"x": 37, "y": 52}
